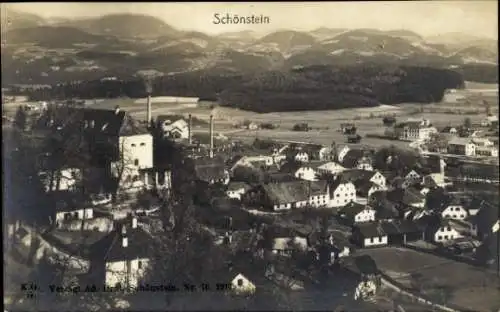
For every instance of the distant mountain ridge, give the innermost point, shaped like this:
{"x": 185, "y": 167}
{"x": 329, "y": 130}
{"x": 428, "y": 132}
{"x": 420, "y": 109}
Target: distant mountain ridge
{"x": 64, "y": 49}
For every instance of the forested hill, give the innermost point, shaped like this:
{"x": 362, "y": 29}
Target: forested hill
{"x": 310, "y": 88}
{"x": 324, "y": 87}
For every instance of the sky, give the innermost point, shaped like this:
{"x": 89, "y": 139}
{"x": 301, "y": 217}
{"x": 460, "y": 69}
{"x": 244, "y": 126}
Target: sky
{"x": 428, "y": 18}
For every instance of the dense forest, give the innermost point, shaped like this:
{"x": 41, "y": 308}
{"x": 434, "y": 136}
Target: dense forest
{"x": 313, "y": 87}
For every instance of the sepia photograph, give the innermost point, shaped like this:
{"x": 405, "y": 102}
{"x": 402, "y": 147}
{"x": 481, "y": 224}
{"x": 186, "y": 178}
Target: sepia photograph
{"x": 260, "y": 156}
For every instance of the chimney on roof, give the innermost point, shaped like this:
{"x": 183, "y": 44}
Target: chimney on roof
{"x": 148, "y": 108}
{"x": 211, "y": 136}
{"x": 117, "y": 109}
{"x": 190, "y": 126}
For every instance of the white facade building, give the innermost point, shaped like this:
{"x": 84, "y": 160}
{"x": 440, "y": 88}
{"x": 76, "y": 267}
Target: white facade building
{"x": 342, "y": 194}
{"x": 331, "y": 168}
{"x": 446, "y": 233}
{"x": 306, "y": 173}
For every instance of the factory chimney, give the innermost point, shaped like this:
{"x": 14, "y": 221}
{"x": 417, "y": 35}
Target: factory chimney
{"x": 211, "y": 136}
{"x": 148, "y": 103}
{"x": 190, "y": 127}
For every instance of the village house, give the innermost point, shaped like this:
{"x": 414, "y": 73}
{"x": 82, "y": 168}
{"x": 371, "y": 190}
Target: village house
{"x": 317, "y": 152}
{"x": 283, "y": 241}
{"x": 384, "y": 208}
{"x": 173, "y": 127}
{"x": 487, "y": 151}
{"x": 400, "y": 232}
{"x": 211, "y": 170}
{"x": 356, "y": 159}
{"x": 355, "y": 175}
{"x": 69, "y": 207}
{"x": 236, "y": 189}
{"x": 341, "y": 193}
{"x": 449, "y": 130}
{"x": 474, "y": 172}
{"x": 253, "y": 161}
{"x": 120, "y": 258}
{"x": 443, "y": 232}
{"x": 288, "y": 195}
{"x": 309, "y": 171}
{"x": 331, "y": 167}
{"x": 453, "y": 209}
{"x": 370, "y": 234}
{"x": 299, "y": 156}
{"x": 364, "y": 188}
{"x": 462, "y": 146}
{"x": 485, "y": 218}
{"x": 242, "y": 285}
{"x": 414, "y": 130}
{"x": 408, "y": 197}
{"x": 413, "y": 177}
{"x": 354, "y": 213}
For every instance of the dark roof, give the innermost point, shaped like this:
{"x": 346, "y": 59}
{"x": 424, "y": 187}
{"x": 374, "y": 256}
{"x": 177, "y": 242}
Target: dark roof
{"x": 353, "y": 208}
{"x": 65, "y": 201}
{"x": 352, "y": 157}
{"x": 110, "y": 247}
{"x": 400, "y": 227}
{"x": 410, "y": 124}
{"x": 234, "y": 186}
{"x": 406, "y": 196}
{"x": 295, "y": 191}
{"x": 353, "y": 175}
{"x": 207, "y": 169}
{"x": 281, "y": 177}
{"x": 486, "y": 216}
{"x": 447, "y": 129}
{"x": 370, "y": 229}
{"x": 363, "y": 187}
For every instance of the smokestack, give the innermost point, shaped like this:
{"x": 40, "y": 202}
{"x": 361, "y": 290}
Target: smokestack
{"x": 149, "y": 108}
{"x": 211, "y": 136}
{"x": 190, "y": 126}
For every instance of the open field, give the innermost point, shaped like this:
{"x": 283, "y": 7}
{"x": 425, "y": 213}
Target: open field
{"x": 444, "y": 280}
{"x": 325, "y": 124}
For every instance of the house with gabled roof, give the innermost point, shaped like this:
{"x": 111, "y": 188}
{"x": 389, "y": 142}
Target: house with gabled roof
{"x": 288, "y": 195}
{"x": 443, "y": 232}
{"x": 173, "y": 126}
{"x": 330, "y": 167}
{"x": 356, "y": 159}
{"x": 402, "y": 231}
{"x": 236, "y": 189}
{"x": 69, "y": 206}
{"x": 370, "y": 234}
{"x": 354, "y": 213}
{"x": 341, "y": 193}
{"x": 120, "y": 259}
{"x": 453, "y": 208}
{"x": 211, "y": 170}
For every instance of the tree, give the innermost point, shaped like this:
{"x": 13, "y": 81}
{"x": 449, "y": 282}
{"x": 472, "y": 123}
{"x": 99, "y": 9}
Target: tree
{"x": 20, "y": 119}
{"x": 467, "y": 123}
{"x": 389, "y": 121}
{"x": 437, "y": 142}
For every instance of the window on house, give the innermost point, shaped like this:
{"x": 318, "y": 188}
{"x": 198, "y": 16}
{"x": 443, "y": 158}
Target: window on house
{"x": 143, "y": 144}
{"x": 440, "y": 237}
{"x": 136, "y": 162}
{"x": 446, "y": 215}
{"x": 139, "y": 264}
{"x": 449, "y": 228}
{"x": 240, "y": 282}
{"x": 67, "y": 216}
{"x": 462, "y": 216}
{"x": 135, "y": 178}
{"x": 446, "y": 237}
{"x": 133, "y": 144}
{"x": 454, "y": 216}
{"x": 371, "y": 240}
{"x": 338, "y": 195}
